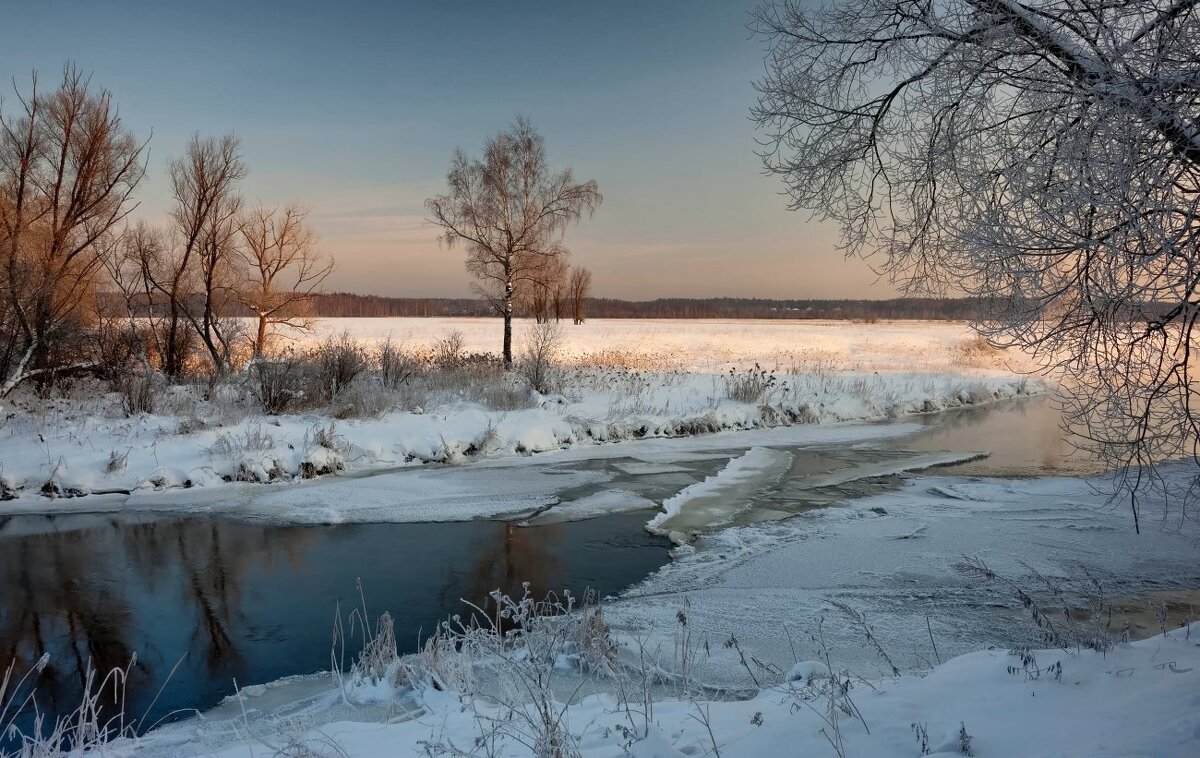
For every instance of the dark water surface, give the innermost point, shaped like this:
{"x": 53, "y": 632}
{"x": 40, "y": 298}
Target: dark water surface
{"x": 254, "y": 602}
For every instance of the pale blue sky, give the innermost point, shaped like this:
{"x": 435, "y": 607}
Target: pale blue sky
{"x": 354, "y": 108}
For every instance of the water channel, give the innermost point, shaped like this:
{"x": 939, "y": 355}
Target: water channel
{"x": 204, "y": 602}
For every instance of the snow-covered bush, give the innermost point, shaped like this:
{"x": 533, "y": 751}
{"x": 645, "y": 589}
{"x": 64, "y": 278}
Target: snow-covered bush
{"x": 364, "y": 397}
{"x": 448, "y": 352}
{"x": 247, "y": 457}
{"x": 395, "y": 364}
{"x": 139, "y": 390}
{"x": 281, "y": 383}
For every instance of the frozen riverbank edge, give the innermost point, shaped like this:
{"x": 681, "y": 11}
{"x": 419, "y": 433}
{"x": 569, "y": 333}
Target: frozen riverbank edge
{"x": 72, "y": 458}
{"x": 1135, "y": 699}
{"x": 891, "y": 557}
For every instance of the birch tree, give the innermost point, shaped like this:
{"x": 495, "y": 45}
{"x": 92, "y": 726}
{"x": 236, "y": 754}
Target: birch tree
{"x": 510, "y": 212}
{"x": 1043, "y": 155}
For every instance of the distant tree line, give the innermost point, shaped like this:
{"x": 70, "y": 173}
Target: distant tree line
{"x": 942, "y": 309}
{"x": 348, "y": 305}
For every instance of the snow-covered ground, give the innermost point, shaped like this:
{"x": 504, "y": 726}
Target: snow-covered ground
{"x": 897, "y": 556}
{"x": 1140, "y": 699}
{"x": 56, "y": 451}
{"x": 709, "y": 344}
{"x": 763, "y": 613}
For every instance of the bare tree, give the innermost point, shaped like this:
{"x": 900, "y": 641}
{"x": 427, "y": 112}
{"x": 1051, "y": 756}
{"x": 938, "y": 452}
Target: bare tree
{"x": 558, "y": 290}
{"x": 68, "y": 170}
{"x": 1045, "y": 156}
{"x": 193, "y": 275}
{"x": 283, "y": 269}
{"x": 510, "y": 211}
{"x": 135, "y": 252}
{"x": 542, "y": 293}
{"x": 579, "y": 288}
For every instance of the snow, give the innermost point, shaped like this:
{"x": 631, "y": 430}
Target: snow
{"x": 895, "y": 557}
{"x": 81, "y": 452}
{"x": 892, "y": 558}
{"x": 611, "y": 500}
{"x": 707, "y": 345}
{"x": 1139, "y": 699}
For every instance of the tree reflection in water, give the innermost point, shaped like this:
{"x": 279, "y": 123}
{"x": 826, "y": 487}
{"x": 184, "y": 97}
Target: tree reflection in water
{"x": 232, "y": 600}
{"x": 519, "y": 555}
{"x": 67, "y": 592}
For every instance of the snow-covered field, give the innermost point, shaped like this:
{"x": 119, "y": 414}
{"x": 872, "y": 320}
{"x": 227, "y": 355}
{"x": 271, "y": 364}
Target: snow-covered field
{"x": 711, "y": 345}
{"x": 621, "y": 380}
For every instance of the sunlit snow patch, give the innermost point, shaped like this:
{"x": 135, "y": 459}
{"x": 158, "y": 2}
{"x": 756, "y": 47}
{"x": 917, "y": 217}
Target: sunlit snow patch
{"x": 715, "y": 500}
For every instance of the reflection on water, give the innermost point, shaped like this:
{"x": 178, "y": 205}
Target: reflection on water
{"x": 1020, "y": 438}
{"x": 1023, "y": 438}
{"x": 230, "y": 600}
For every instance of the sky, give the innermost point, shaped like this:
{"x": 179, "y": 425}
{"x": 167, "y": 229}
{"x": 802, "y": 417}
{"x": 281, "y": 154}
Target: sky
{"x": 355, "y": 108}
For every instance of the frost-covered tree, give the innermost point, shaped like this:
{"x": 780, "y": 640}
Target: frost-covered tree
{"x": 1044, "y": 155}
{"x": 510, "y": 212}
{"x": 191, "y": 268}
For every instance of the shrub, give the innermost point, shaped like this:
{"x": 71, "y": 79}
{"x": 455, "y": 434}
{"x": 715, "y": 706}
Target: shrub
{"x": 749, "y": 386}
{"x": 537, "y": 363}
{"x": 977, "y": 350}
{"x": 448, "y": 353}
{"x": 396, "y": 366}
{"x": 138, "y": 390}
{"x": 118, "y": 347}
{"x": 364, "y": 398}
{"x": 338, "y": 360}
{"x": 279, "y": 383}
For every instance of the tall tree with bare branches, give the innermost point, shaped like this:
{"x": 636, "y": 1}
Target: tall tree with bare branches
{"x": 542, "y": 294}
{"x": 192, "y": 276}
{"x": 282, "y": 269}
{"x": 579, "y": 288}
{"x": 1044, "y": 156}
{"x": 68, "y": 170}
{"x": 510, "y": 212}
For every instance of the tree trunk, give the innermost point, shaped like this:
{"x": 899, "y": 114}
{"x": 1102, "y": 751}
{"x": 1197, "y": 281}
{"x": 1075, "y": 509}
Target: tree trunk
{"x": 508, "y": 313}
{"x": 260, "y": 341}
{"x": 172, "y": 361}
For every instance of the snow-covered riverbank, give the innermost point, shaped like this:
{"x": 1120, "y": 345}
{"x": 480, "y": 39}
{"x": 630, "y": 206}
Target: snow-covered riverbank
{"x": 66, "y": 448}
{"x": 1138, "y": 699}
{"x": 765, "y": 612}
